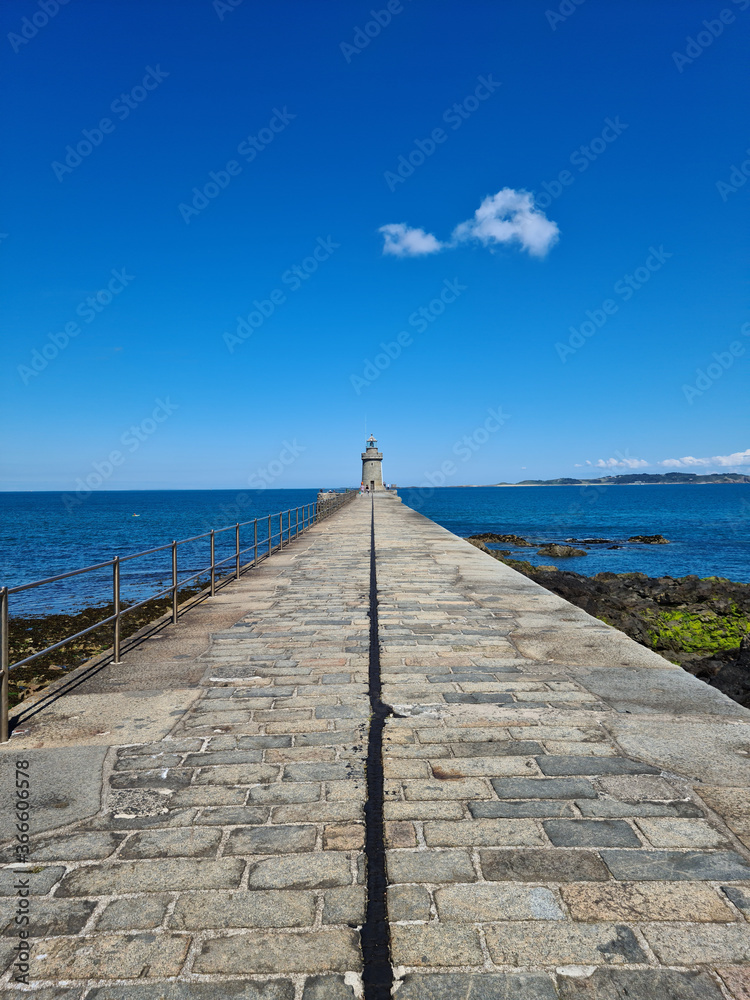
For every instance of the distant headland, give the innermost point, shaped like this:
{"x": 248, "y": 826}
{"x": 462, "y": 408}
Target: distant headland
{"x": 643, "y": 479}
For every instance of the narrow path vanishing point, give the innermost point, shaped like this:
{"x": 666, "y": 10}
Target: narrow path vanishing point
{"x": 566, "y": 815}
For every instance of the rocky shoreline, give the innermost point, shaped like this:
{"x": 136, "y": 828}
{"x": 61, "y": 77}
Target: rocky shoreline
{"x": 702, "y": 624}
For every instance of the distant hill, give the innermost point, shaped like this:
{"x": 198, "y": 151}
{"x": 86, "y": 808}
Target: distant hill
{"x": 640, "y": 479}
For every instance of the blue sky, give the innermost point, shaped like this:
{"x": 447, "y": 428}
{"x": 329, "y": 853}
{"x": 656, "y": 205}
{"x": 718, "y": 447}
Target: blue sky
{"x": 237, "y": 329}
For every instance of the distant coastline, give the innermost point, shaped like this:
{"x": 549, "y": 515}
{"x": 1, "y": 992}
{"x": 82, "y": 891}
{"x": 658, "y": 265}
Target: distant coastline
{"x": 666, "y": 479}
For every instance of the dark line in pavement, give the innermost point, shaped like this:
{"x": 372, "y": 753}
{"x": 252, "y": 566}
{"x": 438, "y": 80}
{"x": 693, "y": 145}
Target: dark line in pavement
{"x": 377, "y": 974}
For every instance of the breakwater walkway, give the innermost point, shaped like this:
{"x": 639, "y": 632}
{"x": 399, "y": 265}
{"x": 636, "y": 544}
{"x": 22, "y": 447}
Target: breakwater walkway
{"x": 565, "y": 815}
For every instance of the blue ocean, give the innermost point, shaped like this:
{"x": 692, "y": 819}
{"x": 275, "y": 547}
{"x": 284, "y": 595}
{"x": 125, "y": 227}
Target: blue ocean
{"x": 708, "y": 528}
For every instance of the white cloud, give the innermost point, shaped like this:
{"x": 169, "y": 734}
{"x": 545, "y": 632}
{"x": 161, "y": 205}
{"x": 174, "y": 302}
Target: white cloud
{"x": 621, "y": 463}
{"x": 403, "y": 241}
{"x": 736, "y": 458}
{"x": 506, "y": 217}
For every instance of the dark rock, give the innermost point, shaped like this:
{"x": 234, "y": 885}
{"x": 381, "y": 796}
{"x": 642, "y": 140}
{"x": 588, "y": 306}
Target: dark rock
{"x": 589, "y": 541}
{"x": 650, "y": 539}
{"x": 490, "y": 536}
{"x": 560, "y": 551}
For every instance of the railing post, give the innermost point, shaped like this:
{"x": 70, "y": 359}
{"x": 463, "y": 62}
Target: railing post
{"x": 174, "y": 583}
{"x": 296, "y": 526}
{"x": 4, "y": 663}
{"x": 237, "y": 551}
{"x": 270, "y": 546}
{"x": 255, "y": 542}
{"x": 289, "y": 525}
{"x": 213, "y": 563}
{"x": 116, "y": 602}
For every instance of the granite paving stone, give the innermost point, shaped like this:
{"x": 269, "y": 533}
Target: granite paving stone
{"x": 554, "y": 826}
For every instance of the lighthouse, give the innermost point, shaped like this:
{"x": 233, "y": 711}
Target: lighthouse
{"x": 372, "y": 461}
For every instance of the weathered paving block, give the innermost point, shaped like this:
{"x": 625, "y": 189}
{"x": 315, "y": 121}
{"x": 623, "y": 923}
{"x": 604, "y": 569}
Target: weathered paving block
{"x": 301, "y": 871}
{"x": 37, "y": 882}
{"x": 543, "y": 866}
{"x": 435, "y": 945}
{"x": 490, "y": 767}
{"x": 739, "y": 896}
{"x": 237, "y": 774}
{"x": 134, "y": 913}
{"x": 181, "y": 843}
{"x": 327, "y": 988}
{"x": 619, "y": 901}
{"x": 487, "y": 903}
{"x": 478, "y": 986}
{"x": 590, "y": 833}
{"x": 232, "y": 816}
{"x": 690, "y": 944}
{"x": 607, "y": 809}
{"x": 640, "y": 984}
{"x": 47, "y": 917}
{"x": 544, "y": 788}
{"x": 456, "y": 788}
{"x": 231, "y": 989}
{"x": 130, "y": 956}
{"x": 676, "y": 865}
{"x": 152, "y": 876}
{"x": 199, "y": 910}
{"x": 271, "y": 840}
{"x": 317, "y": 951}
{"x": 509, "y": 809}
{"x": 563, "y": 943}
{"x": 345, "y": 905}
{"x": 592, "y": 765}
{"x": 408, "y": 902}
{"x": 483, "y": 833}
{"x": 430, "y": 866}
{"x": 75, "y": 847}
{"x": 666, "y": 832}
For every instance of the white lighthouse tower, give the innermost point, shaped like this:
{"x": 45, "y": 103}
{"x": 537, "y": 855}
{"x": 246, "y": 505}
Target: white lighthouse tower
{"x": 372, "y": 462}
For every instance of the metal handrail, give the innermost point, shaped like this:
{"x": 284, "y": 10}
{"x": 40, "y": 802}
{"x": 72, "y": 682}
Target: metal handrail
{"x": 311, "y": 514}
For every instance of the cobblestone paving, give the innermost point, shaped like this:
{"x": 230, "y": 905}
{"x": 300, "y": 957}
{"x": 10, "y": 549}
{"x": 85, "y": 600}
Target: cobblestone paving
{"x": 529, "y": 856}
{"x": 567, "y": 816}
{"x": 227, "y": 861}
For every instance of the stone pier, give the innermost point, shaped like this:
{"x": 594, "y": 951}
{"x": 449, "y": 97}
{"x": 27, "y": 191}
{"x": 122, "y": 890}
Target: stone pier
{"x": 567, "y": 815}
